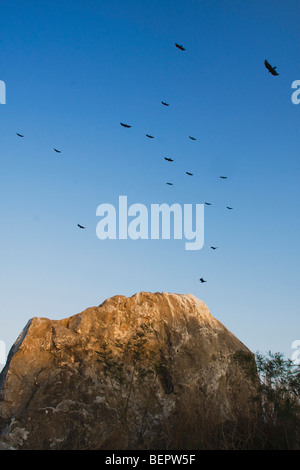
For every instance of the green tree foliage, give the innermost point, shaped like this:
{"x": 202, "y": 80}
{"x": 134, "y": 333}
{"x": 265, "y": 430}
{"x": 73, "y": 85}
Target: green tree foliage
{"x": 280, "y": 394}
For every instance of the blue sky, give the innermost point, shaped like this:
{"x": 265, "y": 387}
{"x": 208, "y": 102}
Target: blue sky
{"x": 73, "y": 71}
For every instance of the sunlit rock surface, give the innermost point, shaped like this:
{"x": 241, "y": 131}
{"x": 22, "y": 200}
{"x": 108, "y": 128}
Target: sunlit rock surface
{"x": 152, "y": 371}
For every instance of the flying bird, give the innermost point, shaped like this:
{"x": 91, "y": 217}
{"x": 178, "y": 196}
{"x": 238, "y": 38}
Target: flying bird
{"x": 20, "y": 135}
{"x": 125, "y": 125}
{"x": 191, "y": 174}
{"x": 208, "y": 203}
{"x": 169, "y": 159}
{"x": 229, "y": 207}
{"x": 179, "y": 46}
{"x": 192, "y": 138}
{"x": 165, "y": 104}
{"x": 214, "y": 247}
{"x": 202, "y": 280}
{"x": 80, "y": 226}
{"x": 270, "y": 68}
{"x": 223, "y": 177}
{"x": 57, "y": 151}
{"x": 170, "y": 184}
{"x": 150, "y": 136}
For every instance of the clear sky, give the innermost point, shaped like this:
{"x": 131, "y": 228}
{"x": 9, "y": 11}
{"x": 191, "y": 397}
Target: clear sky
{"x": 73, "y": 71}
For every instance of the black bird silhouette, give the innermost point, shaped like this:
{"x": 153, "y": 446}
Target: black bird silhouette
{"x": 202, "y": 280}
{"x": 208, "y": 203}
{"x": 57, "y": 151}
{"x": 192, "y": 138}
{"x": 223, "y": 177}
{"x": 150, "y": 136}
{"x": 191, "y": 174}
{"x": 270, "y": 68}
{"x": 20, "y": 135}
{"x": 165, "y": 104}
{"x": 170, "y": 184}
{"x": 125, "y": 125}
{"x": 229, "y": 207}
{"x": 214, "y": 247}
{"x": 169, "y": 159}
{"x": 80, "y": 226}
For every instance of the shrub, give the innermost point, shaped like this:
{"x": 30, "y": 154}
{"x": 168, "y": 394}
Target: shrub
{"x": 280, "y": 395}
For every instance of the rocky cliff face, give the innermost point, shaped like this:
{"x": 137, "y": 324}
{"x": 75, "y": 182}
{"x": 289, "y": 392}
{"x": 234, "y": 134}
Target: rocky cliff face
{"x": 153, "y": 371}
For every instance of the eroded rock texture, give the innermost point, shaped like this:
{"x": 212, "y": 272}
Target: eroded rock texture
{"x": 153, "y": 371}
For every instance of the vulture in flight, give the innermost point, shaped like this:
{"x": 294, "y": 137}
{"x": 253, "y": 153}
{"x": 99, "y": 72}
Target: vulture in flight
{"x": 270, "y": 68}
{"x": 214, "y": 247}
{"x": 170, "y": 184}
{"x": 20, "y": 135}
{"x": 202, "y": 280}
{"x": 229, "y": 207}
{"x": 223, "y": 177}
{"x": 179, "y": 46}
{"x": 169, "y": 159}
{"x": 192, "y": 138}
{"x": 165, "y": 104}
{"x": 80, "y": 226}
{"x": 150, "y": 136}
{"x": 125, "y": 125}
{"x": 190, "y": 174}
{"x": 57, "y": 151}
{"x": 208, "y": 203}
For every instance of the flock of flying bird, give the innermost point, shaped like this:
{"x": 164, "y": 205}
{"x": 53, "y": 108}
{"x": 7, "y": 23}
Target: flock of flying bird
{"x": 271, "y": 70}
{"x": 57, "y": 151}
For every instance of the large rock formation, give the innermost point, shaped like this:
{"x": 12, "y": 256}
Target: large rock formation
{"x": 153, "y": 371}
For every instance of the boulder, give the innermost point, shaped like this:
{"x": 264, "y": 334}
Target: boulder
{"x": 152, "y": 371}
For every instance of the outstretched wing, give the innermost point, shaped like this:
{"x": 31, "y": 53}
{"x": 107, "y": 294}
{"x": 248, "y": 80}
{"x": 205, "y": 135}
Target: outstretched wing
{"x": 268, "y": 66}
